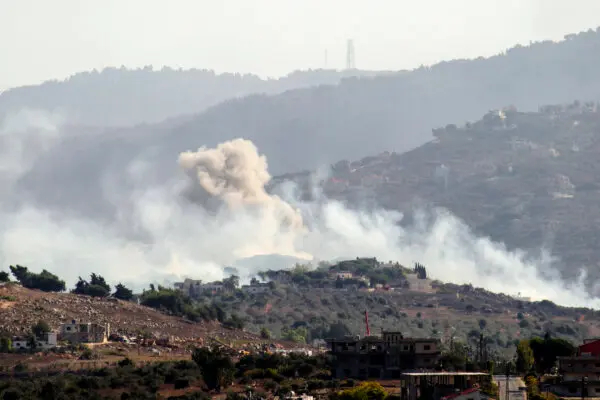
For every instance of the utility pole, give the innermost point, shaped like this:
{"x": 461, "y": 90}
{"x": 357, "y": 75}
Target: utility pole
{"x": 507, "y": 377}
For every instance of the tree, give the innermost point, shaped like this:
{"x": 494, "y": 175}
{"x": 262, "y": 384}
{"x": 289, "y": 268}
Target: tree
{"x": 216, "y": 367}
{"x": 364, "y": 391}
{"x": 40, "y": 328}
{"x": 122, "y": 292}
{"x": 265, "y": 333}
{"x": 4, "y": 276}
{"x": 5, "y": 344}
{"x": 421, "y": 271}
{"x": 297, "y": 335}
{"x": 44, "y": 281}
{"x": 232, "y": 282}
{"x": 525, "y": 357}
{"x": 547, "y": 350}
{"x": 96, "y": 287}
{"x": 97, "y": 280}
{"x": 482, "y": 324}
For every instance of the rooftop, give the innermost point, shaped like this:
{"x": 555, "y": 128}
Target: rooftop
{"x": 445, "y": 373}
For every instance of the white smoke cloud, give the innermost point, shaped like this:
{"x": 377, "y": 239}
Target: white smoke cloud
{"x": 170, "y": 236}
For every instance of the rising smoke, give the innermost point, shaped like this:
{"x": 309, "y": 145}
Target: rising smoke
{"x": 216, "y": 211}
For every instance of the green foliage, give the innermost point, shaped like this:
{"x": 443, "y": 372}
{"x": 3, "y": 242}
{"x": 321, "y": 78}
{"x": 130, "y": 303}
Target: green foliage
{"x": 216, "y": 367}
{"x": 40, "y": 328}
{"x": 5, "y": 344}
{"x": 456, "y": 358}
{"x": 234, "y": 322}
{"x": 525, "y": 358}
{"x": 297, "y": 335}
{"x": 364, "y": 391}
{"x": 421, "y": 271}
{"x": 265, "y": 333}
{"x": 4, "y": 276}
{"x": 122, "y": 292}
{"x": 547, "y": 350}
{"x": 96, "y": 287}
{"x": 176, "y": 303}
{"x": 44, "y": 281}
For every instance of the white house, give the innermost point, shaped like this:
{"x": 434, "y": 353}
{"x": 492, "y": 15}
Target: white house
{"x": 49, "y": 341}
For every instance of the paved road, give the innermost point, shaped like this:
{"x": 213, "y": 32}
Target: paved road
{"x": 513, "y": 388}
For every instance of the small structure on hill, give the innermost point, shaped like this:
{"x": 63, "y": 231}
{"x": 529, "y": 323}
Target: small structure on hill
{"x": 84, "y": 332}
{"x": 47, "y": 341}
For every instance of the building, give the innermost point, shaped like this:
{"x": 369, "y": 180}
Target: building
{"x": 194, "y": 287}
{"x": 442, "y": 385}
{"x": 382, "y": 357}
{"x": 84, "y": 332}
{"x": 48, "y": 341}
{"x": 582, "y": 367}
{"x": 341, "y": 275}
{"x": 256, "y": 288}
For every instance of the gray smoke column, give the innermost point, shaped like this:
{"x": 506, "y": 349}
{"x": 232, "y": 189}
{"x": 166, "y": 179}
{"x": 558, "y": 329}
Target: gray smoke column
{"x": 235, "y": 173}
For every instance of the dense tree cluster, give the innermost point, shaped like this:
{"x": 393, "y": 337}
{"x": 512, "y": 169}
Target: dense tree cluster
{"x": 177, "y": 303}
{"x": 122, "y": 292}
{"x": 96, "y": 287}
{"x": 44, "y": 281}
{"x": 210, "y": 371}
{"x": 420, "y": 270}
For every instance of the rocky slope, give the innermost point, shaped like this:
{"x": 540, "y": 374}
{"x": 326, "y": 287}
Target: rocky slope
{"x": 21, "y": 308}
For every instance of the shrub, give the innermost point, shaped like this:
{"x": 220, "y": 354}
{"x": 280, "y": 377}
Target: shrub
{"x": 182, "y": 383}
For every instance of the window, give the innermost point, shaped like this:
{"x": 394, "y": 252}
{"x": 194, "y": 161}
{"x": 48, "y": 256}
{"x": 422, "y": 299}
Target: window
{"x": 427, "y": 347}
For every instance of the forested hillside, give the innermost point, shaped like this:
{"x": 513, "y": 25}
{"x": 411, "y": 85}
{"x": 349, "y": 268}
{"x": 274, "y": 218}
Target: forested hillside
{"x": 526, "y": 179}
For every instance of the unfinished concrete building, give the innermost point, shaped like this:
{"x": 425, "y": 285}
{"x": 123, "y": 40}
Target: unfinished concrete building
{"x": 382, "y": 357}
{"x": 77, "y": 332}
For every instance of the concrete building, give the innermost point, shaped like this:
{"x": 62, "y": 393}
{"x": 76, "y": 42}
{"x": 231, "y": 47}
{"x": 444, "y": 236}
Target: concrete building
{"x": 382, "y": 357}
{"x": 442, "y": 385}
{"x": 84, "y": 332}
{"x": 580, "y": 370}
{"x": 195, "y": 287}
{"x": 341, "y": 275}
{"x": 256, "y": 288}
{"x": 48, "y": 341}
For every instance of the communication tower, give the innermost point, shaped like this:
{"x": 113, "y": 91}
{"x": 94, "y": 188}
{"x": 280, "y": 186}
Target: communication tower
{"x": 350, "y": 61}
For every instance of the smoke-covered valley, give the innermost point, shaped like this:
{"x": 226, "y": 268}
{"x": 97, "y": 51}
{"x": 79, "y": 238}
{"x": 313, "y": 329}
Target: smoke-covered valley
{"x": 211, "y": 210}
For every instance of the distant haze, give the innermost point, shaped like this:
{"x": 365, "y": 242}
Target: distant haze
{"x": 43, "y": 40}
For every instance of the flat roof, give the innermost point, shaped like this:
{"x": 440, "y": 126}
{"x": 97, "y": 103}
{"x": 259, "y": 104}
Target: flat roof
{"x": 444, "y": 373}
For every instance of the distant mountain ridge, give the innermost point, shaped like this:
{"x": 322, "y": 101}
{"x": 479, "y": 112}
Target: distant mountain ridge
{"x": 304, "y": 129}
{"x": 125, "y": 97}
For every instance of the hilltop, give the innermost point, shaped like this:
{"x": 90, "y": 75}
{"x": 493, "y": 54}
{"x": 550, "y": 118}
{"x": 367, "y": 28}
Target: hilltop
{"x": 309, "y": 304}
{"x": 526, "y": 179}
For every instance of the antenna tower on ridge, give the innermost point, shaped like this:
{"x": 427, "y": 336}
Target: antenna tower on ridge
{"x": 350, "y": 62}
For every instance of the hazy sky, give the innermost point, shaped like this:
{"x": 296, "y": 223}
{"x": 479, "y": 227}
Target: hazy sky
{"x": 43, "y": 39}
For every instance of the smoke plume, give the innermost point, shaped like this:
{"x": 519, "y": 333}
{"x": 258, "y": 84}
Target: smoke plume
{"x": 214, "y": 211}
